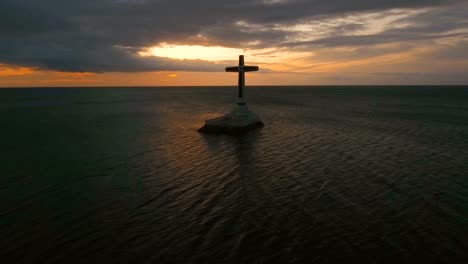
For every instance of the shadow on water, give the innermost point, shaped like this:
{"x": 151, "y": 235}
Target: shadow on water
{"x": 244, "y": 147}
{"x": 245, "y": 219}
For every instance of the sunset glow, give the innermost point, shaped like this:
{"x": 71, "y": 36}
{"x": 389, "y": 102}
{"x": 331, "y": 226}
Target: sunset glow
{"x": 189, "y": 52}
{"x": 6, "y": 70}
{"x": 293, "y": 42}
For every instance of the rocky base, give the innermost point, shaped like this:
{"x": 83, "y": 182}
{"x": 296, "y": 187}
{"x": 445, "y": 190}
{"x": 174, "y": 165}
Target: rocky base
{"x": 239, "y": 121}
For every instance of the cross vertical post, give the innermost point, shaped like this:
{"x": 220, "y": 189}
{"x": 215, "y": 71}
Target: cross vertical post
{"x": 241, "y": 77}
{"x": 241, "y": 70}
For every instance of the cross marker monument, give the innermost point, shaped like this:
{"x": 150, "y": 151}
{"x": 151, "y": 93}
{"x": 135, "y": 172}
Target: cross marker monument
{"x": 240, "y": 119}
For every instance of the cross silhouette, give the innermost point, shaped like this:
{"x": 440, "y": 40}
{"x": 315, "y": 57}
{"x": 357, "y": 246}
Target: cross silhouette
{"x": 241, "y": 69}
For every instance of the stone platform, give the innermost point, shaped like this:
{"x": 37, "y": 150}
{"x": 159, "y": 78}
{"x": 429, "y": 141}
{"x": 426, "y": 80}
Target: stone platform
{"x": 238, "y": 121}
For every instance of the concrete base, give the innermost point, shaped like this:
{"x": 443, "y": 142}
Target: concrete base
{"x": 240, "y": 120}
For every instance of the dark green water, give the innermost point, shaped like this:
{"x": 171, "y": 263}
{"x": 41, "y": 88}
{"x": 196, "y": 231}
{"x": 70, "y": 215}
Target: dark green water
{"x": 338, "y": 174}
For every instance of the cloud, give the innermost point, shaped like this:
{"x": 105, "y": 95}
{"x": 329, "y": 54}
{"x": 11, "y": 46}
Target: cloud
{"x": 106, "y": 35}
{"x": 430, "y": 25}
{"x": 14, "y": 71}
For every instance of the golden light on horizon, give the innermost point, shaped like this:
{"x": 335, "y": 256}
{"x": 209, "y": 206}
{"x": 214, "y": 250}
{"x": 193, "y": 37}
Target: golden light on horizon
{"x": 193, "y": 52}
{"x": 271, "y": 59}
{"x": 278, "y": 67}
{"x": 8, "y": 70}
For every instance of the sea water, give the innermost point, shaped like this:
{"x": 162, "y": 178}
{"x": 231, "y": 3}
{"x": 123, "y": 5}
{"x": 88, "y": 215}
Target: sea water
{"x": 120, "y": 175}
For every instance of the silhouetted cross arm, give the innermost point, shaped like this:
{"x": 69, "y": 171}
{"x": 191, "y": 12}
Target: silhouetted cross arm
{"x": 246, "y": 69}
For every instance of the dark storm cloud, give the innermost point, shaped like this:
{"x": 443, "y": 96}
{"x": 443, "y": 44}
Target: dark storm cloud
{"x": 105, "y": 35}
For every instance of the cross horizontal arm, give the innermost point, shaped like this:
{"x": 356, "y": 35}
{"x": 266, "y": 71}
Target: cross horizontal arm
{"x": 232, "y": 69}
{"x": 250, "y": 68}
{"x": 245, "y": 69}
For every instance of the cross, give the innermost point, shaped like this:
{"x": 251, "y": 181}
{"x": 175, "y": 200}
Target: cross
{"x": 241, "y": 69}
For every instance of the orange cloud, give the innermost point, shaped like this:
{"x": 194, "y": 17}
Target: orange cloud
{"x": 70, "y": 82}
{"x": 75, "y": 75}
{"x": 6, "y": 70}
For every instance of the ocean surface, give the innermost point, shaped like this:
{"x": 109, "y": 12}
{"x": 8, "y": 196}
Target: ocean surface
{"x": 337, "y": 175}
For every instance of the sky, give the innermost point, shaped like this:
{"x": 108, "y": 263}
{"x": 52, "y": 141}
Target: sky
{"x": 189, "y": 43}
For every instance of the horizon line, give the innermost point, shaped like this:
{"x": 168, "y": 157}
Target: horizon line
{"x": 220, "y": 86}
